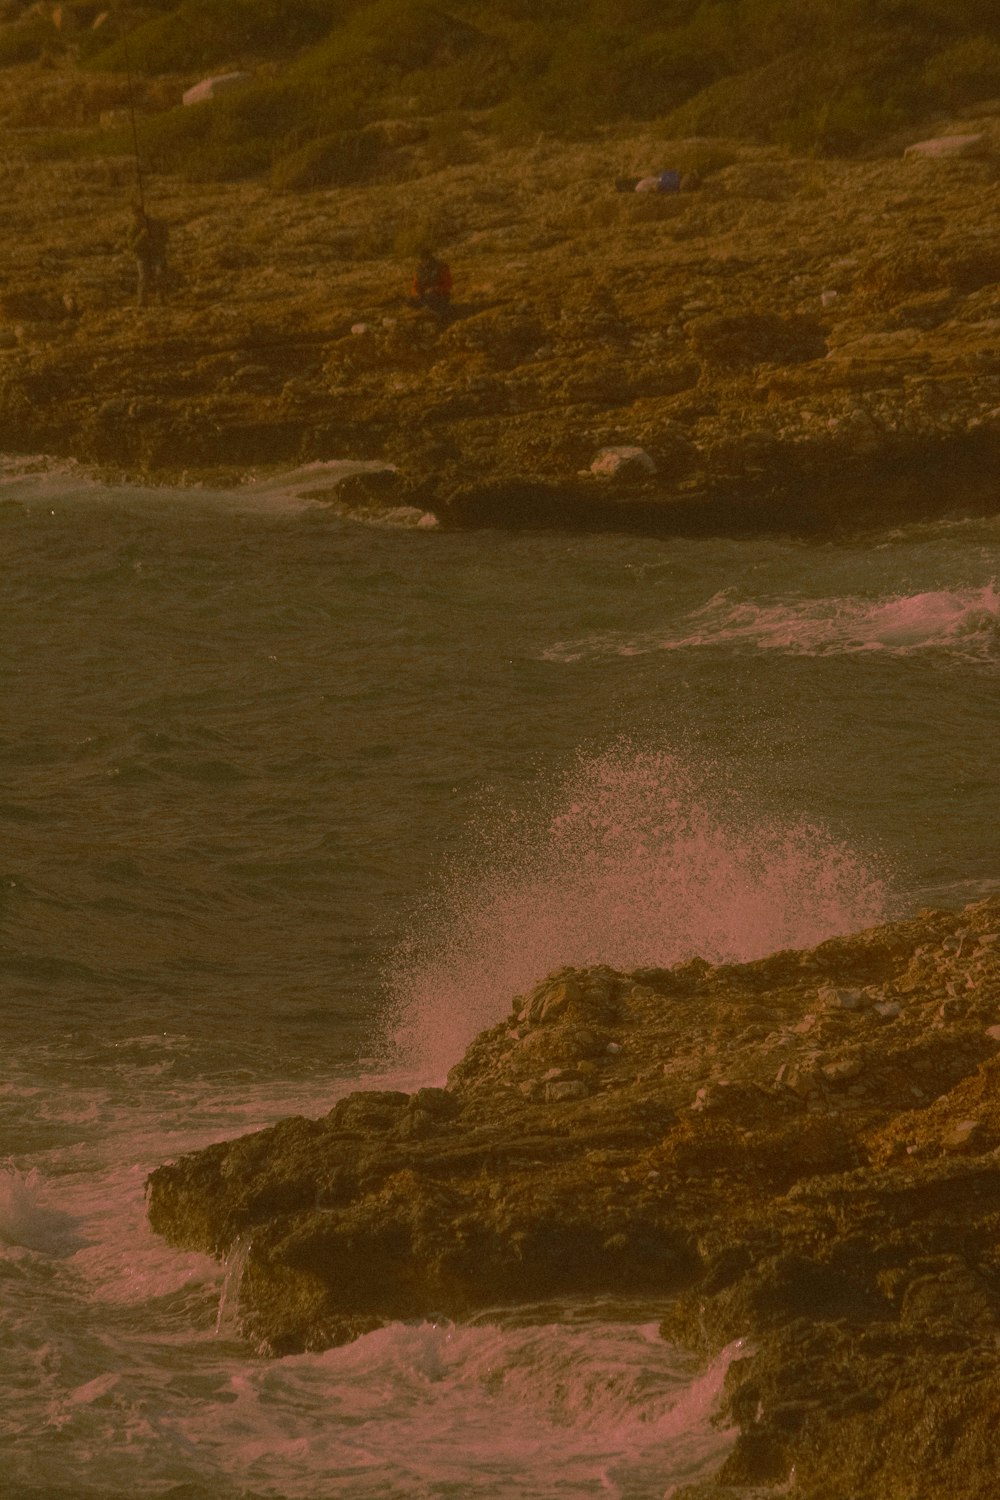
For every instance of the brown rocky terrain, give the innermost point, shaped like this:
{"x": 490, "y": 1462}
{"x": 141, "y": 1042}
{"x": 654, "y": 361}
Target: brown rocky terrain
{"x": 795, "y": 343}
{"x": 803, "y": 1152}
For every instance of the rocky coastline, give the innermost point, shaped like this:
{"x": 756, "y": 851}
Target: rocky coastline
{"x": 802, "y": 1152}
{"x": 795, "y": 344}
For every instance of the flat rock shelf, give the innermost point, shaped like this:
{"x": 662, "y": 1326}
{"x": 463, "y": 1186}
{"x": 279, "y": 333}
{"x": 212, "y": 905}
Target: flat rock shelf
{"x": 796, "y": 345}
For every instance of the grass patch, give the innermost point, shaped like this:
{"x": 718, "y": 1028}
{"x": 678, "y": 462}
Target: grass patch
{"x": 829, "y": 76}
{"x": 75, "y": 145}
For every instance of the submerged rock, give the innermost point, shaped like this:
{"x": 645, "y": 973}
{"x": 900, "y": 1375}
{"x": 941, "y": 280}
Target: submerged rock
{"x": 803, "y": 1151}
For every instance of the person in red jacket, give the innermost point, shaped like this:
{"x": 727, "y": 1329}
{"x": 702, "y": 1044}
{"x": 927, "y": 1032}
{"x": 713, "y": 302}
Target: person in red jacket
{"x": 431, "y": 284}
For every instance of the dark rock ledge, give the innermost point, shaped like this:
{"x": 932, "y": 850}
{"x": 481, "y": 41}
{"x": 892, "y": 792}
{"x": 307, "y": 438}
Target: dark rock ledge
{"x": 802, "y": 1151}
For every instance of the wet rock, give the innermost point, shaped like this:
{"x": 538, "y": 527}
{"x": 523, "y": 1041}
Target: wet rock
{"x": 370, "y": 1110}
{"x": 814, "y": 1181}
{"x": 438, "y": 1103}
{"x": 372, "y": 488}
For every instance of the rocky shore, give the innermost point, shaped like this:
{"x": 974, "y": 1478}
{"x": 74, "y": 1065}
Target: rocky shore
{"x": 802, "y": 1152}
{"x": 794, "y": 344}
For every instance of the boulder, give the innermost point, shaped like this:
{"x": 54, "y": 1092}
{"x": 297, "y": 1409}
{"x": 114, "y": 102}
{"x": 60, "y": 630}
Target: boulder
{"x": 623, "y": 463}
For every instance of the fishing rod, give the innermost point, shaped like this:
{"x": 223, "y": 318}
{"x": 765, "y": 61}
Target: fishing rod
{"x": 123, "y": 31}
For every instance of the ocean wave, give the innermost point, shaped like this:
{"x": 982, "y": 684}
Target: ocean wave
{"x": 636, "y": 858}
{"x": 960, "y": 622}
{"x": 28, "y": 1220}
{"x": 39, "y": 479}
{"x": 313, "y": 486}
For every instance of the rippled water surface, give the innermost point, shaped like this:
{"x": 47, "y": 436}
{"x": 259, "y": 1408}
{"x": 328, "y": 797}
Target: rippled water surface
{"x": 288, "y": 803}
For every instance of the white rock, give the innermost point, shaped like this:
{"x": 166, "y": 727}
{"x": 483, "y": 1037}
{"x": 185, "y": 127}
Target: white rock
{"x": 949, "y": 146}
{"x": 829, "y": 297}
{"x": 209, "y": 88}
{"x": 611, "y": 462}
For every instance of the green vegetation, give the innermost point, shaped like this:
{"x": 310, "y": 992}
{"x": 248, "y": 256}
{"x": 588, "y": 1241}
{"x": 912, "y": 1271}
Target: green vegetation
{"x": 817, "y": 75}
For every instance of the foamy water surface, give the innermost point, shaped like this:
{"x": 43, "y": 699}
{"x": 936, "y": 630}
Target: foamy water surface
{"x": 962, "y": 623}
{"x": 293, "y": 805}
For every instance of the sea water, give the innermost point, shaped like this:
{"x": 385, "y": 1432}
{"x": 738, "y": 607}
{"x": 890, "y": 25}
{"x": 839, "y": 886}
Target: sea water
{"x": 292, "y": 805}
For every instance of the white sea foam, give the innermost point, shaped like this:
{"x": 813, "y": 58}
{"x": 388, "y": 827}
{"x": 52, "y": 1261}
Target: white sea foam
{"x": 39, "y": 480}
{"x": 28, "y": 1218}
{"x": 312, "y": 487}
{"x": 962, "y": 622}
{"x": 490, "y": 1409}
{"x": 639, "y": 858}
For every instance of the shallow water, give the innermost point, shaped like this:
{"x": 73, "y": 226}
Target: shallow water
{"x": 289, "y": 803}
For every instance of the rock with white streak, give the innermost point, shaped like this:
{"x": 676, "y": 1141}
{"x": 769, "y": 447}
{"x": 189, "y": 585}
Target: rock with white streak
{"x": 211, "y": 88}
{"x": 622, "y": 463}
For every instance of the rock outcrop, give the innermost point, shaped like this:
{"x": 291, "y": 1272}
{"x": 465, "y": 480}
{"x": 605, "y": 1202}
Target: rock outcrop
{"x": 802, "y": 1151}
{"x": 797, "y": 344}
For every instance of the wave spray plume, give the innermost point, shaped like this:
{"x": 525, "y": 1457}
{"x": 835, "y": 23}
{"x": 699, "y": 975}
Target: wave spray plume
{"x": 638, "y": 859}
